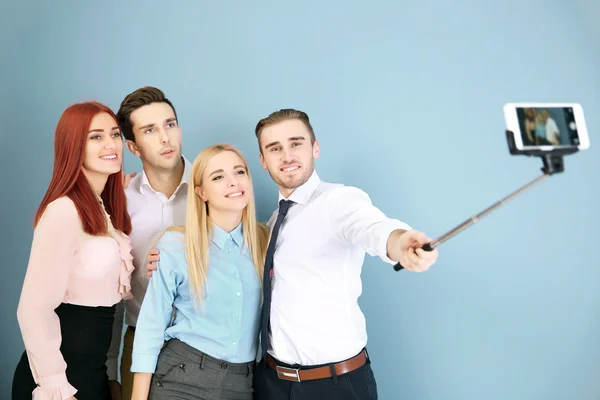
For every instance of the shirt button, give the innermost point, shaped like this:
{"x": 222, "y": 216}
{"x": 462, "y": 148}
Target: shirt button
{"x": 235, "y": 344}
{"x": 239, "y": 294}
{"x": 229, "y": 249}
{"x": 237, "y": 319}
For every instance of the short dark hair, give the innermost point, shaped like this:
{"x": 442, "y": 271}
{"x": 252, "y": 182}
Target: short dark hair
{"x": 139, "y": 98}
{"x": 284, "y": 115}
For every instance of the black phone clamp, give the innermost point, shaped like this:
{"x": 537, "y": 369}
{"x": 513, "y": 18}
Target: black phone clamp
{"x": 553, "y": 163}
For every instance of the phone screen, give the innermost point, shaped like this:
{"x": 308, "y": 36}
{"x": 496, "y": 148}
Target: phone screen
{"x": 548, "y": 126}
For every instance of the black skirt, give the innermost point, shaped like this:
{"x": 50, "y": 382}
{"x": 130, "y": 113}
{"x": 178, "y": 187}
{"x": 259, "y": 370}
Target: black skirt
{"x": 86, "y": 336}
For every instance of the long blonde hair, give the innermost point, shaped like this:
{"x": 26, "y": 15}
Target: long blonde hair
{"x": 198, "y": 228}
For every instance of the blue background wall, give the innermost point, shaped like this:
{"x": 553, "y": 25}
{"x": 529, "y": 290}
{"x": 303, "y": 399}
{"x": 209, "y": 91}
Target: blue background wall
{"x": 407, "y": 101}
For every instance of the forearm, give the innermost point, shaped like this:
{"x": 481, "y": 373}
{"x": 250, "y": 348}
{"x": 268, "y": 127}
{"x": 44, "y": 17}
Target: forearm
{"x": 141, "y": 385}
{"x": 394, "y": 250}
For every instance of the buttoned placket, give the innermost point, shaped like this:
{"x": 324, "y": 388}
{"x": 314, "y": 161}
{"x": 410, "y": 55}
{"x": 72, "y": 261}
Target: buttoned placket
{"x": 234, "y": 258}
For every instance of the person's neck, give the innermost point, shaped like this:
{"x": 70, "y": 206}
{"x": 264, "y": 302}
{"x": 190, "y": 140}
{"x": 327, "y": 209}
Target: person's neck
{"x": 165, "y": 181}
{"x": 98, "y": 181}
{"x": 227, "y": 221}
{"x": 286, "y": 192}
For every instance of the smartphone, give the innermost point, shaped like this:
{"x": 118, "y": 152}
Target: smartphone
{"x": 546, "y": 126}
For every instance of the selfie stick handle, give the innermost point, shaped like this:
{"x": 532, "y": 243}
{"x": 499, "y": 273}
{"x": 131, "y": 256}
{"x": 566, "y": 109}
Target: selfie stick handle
{"x": 553, "y": 163}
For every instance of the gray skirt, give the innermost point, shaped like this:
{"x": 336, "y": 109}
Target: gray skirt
{"x": 182, "y": 372}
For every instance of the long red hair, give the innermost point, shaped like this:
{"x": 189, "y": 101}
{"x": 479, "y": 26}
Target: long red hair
{"x": 69, "y": 180}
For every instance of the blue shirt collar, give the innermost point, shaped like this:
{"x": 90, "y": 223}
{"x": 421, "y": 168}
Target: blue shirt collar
{"x": 220, "y": 237}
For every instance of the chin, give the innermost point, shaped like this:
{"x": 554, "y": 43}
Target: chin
{"x": 239, "y": 207}
{"x": 292, "y": 182}
{"x": 107, "y": 171}
{"x": 236, "y": 205}
{"x": 229, "y": 209}
{"x": 173, "y": 160}
{"x": 114, "y": 171}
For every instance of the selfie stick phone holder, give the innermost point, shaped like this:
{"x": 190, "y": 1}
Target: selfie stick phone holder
{"x": 553, "y": 164}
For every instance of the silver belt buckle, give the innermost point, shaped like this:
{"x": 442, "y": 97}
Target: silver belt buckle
{"x": 288, "y": 374}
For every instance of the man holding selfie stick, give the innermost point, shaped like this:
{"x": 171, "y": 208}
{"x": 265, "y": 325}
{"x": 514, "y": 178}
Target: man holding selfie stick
{"x": 313, "y": 333}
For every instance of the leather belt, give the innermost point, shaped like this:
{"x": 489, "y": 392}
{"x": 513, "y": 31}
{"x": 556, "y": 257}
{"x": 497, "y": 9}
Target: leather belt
{"x": 299, "y": 375}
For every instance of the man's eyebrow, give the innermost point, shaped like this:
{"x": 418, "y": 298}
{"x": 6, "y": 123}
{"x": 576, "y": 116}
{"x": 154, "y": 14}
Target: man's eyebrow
{"x": 291, "y": 139}
{"x": 271, "y": 144}
{"x": 145, "y": 126}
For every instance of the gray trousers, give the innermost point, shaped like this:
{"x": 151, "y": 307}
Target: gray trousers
{"x": 183, "y": 372}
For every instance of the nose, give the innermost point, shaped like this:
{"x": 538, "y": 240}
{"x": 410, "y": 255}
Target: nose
{"x": 109, "y": 143}
{"x": 164, "y": 136}
{"x": 286, "y": 154}
{"x": 232, "y": 181}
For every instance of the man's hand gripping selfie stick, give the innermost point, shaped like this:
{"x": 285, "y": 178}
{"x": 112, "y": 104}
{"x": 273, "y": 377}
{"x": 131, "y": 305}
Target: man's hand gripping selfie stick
{"x": 553, "y": 163}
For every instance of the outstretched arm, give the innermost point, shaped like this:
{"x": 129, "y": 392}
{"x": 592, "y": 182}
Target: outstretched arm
{"x": 356, "y": 220}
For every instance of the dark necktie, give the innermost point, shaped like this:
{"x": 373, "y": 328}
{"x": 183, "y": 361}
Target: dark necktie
{"x": 284, "y": 206}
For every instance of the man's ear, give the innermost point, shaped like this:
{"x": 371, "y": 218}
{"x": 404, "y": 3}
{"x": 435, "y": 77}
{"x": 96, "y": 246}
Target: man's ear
{"x": 262, "y": 161}
{"x": 132, "y": 148}
{"x": 316, "y": 149}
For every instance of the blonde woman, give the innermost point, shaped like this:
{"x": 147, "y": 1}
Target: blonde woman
{"x": 204, "y": 299}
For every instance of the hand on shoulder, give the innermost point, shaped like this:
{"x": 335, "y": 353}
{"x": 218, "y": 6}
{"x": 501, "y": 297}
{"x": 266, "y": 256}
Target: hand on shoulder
{"x": 166, "y": 241}
{"x": 127, "y": 178}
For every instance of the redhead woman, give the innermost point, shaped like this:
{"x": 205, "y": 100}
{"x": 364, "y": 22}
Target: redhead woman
{"x": 79, "y": 264}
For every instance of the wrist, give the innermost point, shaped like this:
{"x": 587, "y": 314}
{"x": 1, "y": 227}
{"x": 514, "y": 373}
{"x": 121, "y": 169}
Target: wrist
{"x": 393, "y": 244}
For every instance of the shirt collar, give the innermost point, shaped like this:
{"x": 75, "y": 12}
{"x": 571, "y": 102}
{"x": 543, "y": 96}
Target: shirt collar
{"x": 185, "y": 179}
{"x": 302, "y": 194}
{"x": 219, "y": 236}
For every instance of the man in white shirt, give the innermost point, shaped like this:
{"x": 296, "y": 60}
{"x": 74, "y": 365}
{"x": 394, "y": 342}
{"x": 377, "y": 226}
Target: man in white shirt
{"x": 156, "y": 199}
{"x": 552, "y": 131}
{"x": 315, "y": 330}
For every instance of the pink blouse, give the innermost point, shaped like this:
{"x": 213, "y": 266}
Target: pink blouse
{"x": 66, "y": 265}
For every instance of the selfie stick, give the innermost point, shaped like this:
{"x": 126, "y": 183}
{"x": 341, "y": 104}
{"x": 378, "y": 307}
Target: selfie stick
{"x": 553, "y": 164}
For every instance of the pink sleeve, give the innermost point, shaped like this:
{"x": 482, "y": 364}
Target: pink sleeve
{"x": 54, "y": 244}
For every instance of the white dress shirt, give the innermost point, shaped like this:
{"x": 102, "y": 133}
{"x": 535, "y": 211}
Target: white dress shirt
{"x": 315, "y": 316}
{"x": 552, "y": 130}
{"x": 151, "y": 213}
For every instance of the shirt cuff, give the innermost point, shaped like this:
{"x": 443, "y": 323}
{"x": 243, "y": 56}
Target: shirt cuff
{"x": 112, "y": 366}
{"x": 143, "y": 362}
{"x": 55, "y": 387}
{"x": 385, "y": 231}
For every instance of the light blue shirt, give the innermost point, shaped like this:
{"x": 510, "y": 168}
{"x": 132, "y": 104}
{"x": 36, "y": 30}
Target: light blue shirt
{"x": 225, "y": 327}
{"x": 540, "y": 131}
